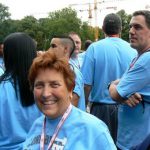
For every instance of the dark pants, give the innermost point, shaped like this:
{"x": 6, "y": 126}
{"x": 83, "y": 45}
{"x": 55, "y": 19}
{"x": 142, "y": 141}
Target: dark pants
{"x": 109, "y": 114}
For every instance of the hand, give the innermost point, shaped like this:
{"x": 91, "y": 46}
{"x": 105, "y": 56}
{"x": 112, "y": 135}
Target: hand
{"x": 116, "y": 82}
{"x": 134, "y": 100}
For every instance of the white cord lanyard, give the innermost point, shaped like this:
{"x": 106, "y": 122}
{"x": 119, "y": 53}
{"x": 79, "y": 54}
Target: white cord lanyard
{"x": 61, "y": 122}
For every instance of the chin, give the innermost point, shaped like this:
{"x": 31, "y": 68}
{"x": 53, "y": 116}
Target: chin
{"x": 51, "y": 115}
{"x": 133, "y": 45}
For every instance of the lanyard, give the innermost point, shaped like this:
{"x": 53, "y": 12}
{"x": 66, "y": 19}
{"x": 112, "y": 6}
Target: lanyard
{"x": 133, "y": 62}
{"x": 61, "y": 122}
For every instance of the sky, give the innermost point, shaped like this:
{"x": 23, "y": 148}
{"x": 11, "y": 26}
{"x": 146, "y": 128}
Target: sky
{"x": 40, "y": 8}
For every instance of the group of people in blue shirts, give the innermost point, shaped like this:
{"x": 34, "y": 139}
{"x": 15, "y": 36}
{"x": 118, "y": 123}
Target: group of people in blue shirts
{"x": 43, "y": 98}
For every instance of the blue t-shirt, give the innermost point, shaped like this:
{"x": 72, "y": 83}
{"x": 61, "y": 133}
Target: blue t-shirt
{"x": 1, "y": 71}
{"x": 75, "y": 62}
{"x": 79, "y": 88}
{"x": 1, "y": 66}
{"x": 1, "y": 61}
{"x": 80, "y": 131}
{"x": 81, "y": 58}
{"x": 15, "y": 120}
{"x": 105, "y": 61}
{"x": 134, "y": 123}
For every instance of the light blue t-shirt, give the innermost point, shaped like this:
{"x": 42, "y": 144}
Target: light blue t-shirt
{"x": 80, "y": 131}
{"x": 105, "y": 61}
{"x": 81, "y": 58}
{"x": 75, "y": 62}
{"x": 134, "y": 123}
{"x": 1, "y": 71}
{"x": 79, "y": 88}
{"x": 1, "y": 66}
{"x": 15, "y": 120}
{"x": 1, "y": 61}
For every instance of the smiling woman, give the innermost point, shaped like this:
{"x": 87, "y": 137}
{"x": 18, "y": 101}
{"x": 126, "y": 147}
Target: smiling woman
{"x": 52, "y": 81}
{"x": 52, "y": 84}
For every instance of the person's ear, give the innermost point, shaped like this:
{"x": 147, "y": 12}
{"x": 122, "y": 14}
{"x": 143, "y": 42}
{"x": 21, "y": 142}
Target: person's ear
{"x": 65, "y": 50}
{"x": 70, "y": 96}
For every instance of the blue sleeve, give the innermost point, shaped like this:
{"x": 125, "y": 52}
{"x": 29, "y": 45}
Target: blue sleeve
{"x": 78, "y": 82}
{"x": 88, "y": 66}
{"x": 136, "y": 79}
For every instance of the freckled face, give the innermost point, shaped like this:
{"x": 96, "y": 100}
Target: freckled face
{"x": 51, "y": 93}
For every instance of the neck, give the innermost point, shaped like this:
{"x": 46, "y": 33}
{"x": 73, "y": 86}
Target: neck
{"x": 113, "y": 35}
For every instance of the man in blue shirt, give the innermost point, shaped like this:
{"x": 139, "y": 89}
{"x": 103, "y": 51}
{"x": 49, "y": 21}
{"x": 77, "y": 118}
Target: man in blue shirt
{"x": 64, "y": 47}
{"x": 105, "y": 61}
{"x": 133, "y": 89}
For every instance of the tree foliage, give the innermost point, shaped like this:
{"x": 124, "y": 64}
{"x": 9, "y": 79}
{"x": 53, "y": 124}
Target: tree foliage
{"x": 57, "y": 23}
{"x": 4, "y": 14}
{"x": 125, "y": 24}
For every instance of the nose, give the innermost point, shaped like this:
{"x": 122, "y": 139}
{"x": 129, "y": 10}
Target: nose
{"x": 46, "y": 92}
{"x": 131, "y": 31}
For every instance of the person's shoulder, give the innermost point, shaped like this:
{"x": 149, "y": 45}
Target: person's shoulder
{"x": 37, "y": 124}
{"x": 144, "y": 59}
{"x": 39, "y": 120}
{"x": 89, "y": 120}
{"x": 6, "y": 84}
{"x": 146, "y": 55}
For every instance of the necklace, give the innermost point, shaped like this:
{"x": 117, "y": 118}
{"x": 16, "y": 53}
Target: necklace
{"x": 61, "y": 122}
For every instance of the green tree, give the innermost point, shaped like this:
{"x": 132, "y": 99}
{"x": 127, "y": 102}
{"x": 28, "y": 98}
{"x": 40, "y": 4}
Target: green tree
{"x": 64, "y": 21}
{"x": 125, "y": 24}
{"x": 29, "y": 25}
{"x": 4, "y": 14}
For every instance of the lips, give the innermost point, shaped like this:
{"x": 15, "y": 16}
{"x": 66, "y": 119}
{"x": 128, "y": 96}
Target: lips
{"x": 132, "y": 39}
{"x": 49, "y": 102}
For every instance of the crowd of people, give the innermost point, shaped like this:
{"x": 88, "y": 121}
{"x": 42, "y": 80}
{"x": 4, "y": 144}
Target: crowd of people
{"x": 45, "y": 96}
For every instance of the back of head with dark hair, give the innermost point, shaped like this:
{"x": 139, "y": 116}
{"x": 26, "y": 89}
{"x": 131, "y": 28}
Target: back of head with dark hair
{"x": 146, "y": 14}
{"x": 87, "y": 44}
{"x": 112, "y": 24}
{"x": 19, "y": 52}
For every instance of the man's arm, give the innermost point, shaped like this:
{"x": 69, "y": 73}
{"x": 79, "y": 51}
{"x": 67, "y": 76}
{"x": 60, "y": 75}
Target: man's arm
{"x": 87, "y": 90}
{"x": 132, "y": 101}
{"x": 114, "y": 93}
